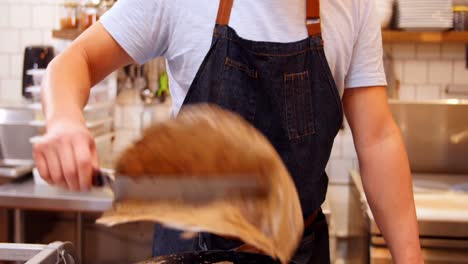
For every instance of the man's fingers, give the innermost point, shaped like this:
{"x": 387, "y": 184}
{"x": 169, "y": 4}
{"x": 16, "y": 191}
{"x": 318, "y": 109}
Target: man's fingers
{"x": 69, "y": 170}
{"x": 41, "y": 163}
{"x": 83, "y": 158}
{"x": 53, "y": 163}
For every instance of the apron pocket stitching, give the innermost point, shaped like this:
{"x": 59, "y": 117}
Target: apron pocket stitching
{"x": 242, "y": 67}
{"x": 298, "y": 108}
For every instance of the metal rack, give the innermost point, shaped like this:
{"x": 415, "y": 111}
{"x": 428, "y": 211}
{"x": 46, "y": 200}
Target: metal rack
{"x": 54, "y": 253}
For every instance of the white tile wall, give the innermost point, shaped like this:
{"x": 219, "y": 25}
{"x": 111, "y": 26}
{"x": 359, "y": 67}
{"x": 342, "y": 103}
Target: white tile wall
{"x": 440, "y": 71}
{"x": 417, "y": 72}
{"x": 10, "y": 41}
{"x": 428, "y": 92}
{"x": 4, "y": 15}
{"x": 20, "y": 16}
{"x": 399, "y": 72}
{"x": 407, "y": 92}
{"x": 4, "y": 66}
{"x": 30, "y": 37}
{"x": 425, "y": 70}
{"x": 22, "y": 23}
{"x": 428, "y": 51}
{"x": 460, "y": 72}
{"x": 453, "y": 51}
{"x": 16, "y": 66}
{"x": 404, "y": 51}
{"x": 44, "y": 16}
{"x": 10, "y": 89}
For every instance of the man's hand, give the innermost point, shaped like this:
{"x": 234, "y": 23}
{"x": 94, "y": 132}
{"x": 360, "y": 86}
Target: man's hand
{"x": 385, "y": 170}
{"x": 66, "y": 155}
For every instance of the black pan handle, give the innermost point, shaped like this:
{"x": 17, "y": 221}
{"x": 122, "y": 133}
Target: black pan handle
{"x": 100, "y": 178}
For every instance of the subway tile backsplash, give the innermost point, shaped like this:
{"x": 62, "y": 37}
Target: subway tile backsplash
{"x": 424, "y": 69}
{"x": 22, "y": 23}
{"x": 429, "y": 51}
{"x": 415, "y": 72}
{"x": 437, "y": 72}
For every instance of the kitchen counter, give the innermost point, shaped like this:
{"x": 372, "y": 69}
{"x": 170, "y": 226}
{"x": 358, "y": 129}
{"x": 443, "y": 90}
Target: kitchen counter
{"x": 441, "y": 204}
{"x": 27, "y": 195}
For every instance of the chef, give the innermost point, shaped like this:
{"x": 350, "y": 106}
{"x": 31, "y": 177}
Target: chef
{"x": 291, "y": 68}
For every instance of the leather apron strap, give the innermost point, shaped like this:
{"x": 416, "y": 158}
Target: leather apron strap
{"x": 313, "y": 18}
{"x": 313, "y": 15}
{"x": 224, "y": 12}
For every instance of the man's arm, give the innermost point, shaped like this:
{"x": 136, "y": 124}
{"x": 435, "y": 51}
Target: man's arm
{"x": 66, "y": 155}
{"x": 385, "y": 170}
{"x": 70, "y": 76}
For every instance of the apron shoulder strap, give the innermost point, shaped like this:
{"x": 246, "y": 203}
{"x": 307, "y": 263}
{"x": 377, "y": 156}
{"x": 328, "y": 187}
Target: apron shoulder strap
{"x": 224, "y": 12}
{"x": 313, "y": 15}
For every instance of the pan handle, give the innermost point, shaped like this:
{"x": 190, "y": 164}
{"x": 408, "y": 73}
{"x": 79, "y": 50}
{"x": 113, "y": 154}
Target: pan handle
{"x": 102, "y": 178}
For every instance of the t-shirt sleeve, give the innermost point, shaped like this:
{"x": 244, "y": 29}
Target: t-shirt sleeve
{"x": 366, "y": 67}
{"x": 140, "y": 27}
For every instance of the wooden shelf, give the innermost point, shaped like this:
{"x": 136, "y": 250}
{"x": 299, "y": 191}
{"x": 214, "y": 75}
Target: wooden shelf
{"x": 424, "y": 37}
{"x": 67, "y": 34}
{"x": 387, "y": 36}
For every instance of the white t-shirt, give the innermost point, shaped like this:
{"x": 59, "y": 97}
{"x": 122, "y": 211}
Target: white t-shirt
{"x": 181, "y": 31}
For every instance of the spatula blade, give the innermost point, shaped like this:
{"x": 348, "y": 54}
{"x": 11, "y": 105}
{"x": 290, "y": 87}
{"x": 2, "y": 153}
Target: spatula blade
{"x": 191, "y": 189}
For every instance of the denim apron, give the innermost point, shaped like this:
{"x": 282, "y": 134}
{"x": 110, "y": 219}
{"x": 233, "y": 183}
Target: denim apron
{"x": 287, "y": 91}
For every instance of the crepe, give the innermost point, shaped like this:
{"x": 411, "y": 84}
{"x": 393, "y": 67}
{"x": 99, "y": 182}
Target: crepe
{"x": 206, "y": 140}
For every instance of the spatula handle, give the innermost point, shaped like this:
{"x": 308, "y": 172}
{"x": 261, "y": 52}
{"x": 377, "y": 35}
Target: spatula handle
{"x": 99, "y": 178}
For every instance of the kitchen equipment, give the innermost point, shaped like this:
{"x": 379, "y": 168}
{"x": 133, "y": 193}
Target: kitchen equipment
{"x": 14, "y": 169}
{"x": 192, "y": 188}
{"x": 435, "y": 134}
{"x": 37, "y": 74}
{"x": 424, "y": 15}
{"x": 35, "y": 57}
{"x": 442, "y": 215}
{"x": 15, "y": 131}
{"x": 212, "y": 257}
{"x": 69, "y": 15}
{"x": 460, "y": 18}
{"x": 54, "y": 253}
{"x": 89, "y": 14}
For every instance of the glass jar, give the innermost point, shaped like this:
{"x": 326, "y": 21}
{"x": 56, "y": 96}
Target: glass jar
{"x": 104, "y": 7}
{"x": 460, "y": 18}
{"x": 89, "y": 14}
{"x": 69, "y": 15}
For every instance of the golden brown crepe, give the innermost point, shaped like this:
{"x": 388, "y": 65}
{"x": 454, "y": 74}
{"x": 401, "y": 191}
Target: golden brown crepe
{"x": 208, "y": 141}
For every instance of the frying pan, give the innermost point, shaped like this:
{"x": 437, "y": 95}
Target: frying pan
{"x": 212, "y": 257}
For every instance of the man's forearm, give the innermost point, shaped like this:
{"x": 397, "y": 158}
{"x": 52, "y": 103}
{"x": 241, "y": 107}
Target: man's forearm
{"x": 89, "y": 59}
{"x": 387, "y": 181}
{"x": 66, "y": 86}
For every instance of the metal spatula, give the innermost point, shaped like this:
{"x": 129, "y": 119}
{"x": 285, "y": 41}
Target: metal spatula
{"x": 187, "y": 188}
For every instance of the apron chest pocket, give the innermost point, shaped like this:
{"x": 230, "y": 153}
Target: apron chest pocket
{"x": 236, "y": 91}
{"x": 297, "y": 105}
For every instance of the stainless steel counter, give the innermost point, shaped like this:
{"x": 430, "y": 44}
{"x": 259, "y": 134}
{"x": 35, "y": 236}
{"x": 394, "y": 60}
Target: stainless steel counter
{"x": 26, "y": 195}
{"x": 442, "y": 212}
{"x": 441, "y": 204}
